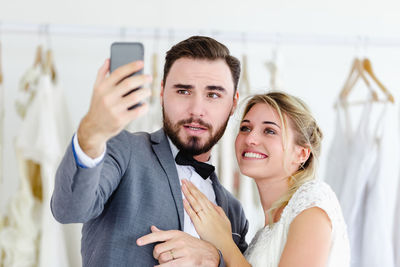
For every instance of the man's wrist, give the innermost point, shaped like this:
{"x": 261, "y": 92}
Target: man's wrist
{"x": 92, "y": 144}
{"x": 83, "y": 160}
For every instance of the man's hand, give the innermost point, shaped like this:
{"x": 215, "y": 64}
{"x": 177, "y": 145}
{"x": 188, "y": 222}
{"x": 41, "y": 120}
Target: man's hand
{"x": 180, "y": 249}
{"x": 108, "y": 113}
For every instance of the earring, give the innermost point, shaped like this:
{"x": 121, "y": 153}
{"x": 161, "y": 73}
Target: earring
{"x": 302, "y": 165}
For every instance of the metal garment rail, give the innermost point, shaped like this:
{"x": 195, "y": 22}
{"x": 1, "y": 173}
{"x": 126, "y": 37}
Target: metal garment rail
{"x": 172, "y": 34}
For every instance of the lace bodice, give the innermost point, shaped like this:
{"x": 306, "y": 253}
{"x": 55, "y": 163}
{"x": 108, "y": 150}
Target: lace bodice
{"x": 267, "y": 245}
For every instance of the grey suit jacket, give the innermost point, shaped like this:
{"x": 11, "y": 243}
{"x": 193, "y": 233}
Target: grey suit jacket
{"x": 135, "y": 186}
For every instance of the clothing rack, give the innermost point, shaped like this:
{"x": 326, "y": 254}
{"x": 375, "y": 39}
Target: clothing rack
{"x": 172, "y": 34}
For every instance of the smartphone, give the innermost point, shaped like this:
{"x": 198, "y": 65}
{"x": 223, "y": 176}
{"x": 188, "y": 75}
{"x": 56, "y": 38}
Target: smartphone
{"x": 123, "y": 53}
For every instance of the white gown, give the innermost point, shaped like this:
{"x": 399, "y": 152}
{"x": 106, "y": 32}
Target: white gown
{"x": 360, "y": 170}
{"x": 397, "y": 211}
{"x": 19, "y": 236}
{"x": 44, "y": 136}
{"x": 33, "y": 237}
{"x": 267, "y": 245}
{"x": 1, "y": 130}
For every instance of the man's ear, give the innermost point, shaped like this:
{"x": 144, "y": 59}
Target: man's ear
{"x": 161, "y": 92}
{"x": 235, "y": 102}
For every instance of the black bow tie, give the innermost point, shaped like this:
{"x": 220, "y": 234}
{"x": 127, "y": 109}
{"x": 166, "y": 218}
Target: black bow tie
{"x": 203, "y": 169}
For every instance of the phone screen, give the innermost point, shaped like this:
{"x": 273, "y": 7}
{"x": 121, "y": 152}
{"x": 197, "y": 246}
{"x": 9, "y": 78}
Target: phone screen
{"x": 123, "y": 53}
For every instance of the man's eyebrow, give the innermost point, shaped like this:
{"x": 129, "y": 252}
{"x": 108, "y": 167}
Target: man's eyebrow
{"x": 209, "y": 87}
{"x": 216, "y": 88}
{"x": 183, "y": 86}
{"x": 264, "y": 122}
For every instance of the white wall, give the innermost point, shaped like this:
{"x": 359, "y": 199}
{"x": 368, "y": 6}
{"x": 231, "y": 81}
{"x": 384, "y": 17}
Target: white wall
{"x": 341, "y": 16}
{"x": 313, "y": 72}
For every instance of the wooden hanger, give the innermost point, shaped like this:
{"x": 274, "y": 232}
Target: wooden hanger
{"x": 273, "y": 69}
{"x": 367, "y": 66}
{"x": 155, "y": 84}
{"x": 48, "y": 66}
{"x": 38, "y": 57}
{"x": 244, "y": 84}
{"x": 356, "y": 72}
{"x": 350, "y": 81}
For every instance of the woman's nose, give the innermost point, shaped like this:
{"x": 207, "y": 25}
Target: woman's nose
{"x": 252, "y": 138}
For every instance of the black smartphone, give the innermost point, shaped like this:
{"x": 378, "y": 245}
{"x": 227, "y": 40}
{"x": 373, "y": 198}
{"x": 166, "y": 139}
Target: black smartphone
{"x": 123, "y": 53}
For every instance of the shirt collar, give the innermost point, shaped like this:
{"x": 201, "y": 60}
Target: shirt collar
{"x": 175, "y": 150}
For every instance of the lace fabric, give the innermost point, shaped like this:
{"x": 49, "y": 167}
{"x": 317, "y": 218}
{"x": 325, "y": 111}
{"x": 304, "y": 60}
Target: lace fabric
{"x": 267, "y": 245}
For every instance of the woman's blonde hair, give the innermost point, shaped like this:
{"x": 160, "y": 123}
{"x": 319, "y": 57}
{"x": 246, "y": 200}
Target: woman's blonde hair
{"x": 306, "y": 134}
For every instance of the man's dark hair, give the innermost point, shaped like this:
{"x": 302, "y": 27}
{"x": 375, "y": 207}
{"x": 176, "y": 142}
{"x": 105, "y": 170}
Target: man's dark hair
{"x": 202, "y": 47}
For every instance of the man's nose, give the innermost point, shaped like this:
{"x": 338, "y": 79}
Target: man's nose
{"x": 197, "y": 106}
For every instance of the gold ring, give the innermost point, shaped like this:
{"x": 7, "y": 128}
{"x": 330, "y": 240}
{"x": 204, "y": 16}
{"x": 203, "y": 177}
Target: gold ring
{"x": 172, "y": 254}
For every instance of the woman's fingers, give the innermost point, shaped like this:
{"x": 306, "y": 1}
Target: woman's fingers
{"x": 192, "y": 214}
{"x": 203, "y": 201}
{"x": 197, "y": 207}
{"x": 220, "y": 211}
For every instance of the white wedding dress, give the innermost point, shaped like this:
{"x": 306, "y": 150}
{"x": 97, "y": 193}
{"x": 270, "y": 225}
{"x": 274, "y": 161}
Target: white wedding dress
{"x": 267, "y": 245}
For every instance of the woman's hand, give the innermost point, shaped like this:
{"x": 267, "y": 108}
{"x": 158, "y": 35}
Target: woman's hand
{"x": 210, "y": 220}
{"x": 211, "y": 224}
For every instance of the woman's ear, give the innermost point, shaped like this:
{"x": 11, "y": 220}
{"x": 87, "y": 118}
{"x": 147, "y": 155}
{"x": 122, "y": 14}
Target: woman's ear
{"x": 302, "y": 154}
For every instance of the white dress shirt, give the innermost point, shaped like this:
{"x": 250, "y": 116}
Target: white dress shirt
{"x": 184, "y": 172}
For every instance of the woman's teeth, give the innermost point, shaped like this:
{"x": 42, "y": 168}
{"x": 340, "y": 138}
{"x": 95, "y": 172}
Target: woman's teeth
{"x": 254, "y": 155}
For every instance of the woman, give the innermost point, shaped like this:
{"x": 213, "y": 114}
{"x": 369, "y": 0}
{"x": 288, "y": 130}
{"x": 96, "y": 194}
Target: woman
{"x": 278, "y": 146}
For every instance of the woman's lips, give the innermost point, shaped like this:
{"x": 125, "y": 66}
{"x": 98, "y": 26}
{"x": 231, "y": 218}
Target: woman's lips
{"x": 253, "y": 155}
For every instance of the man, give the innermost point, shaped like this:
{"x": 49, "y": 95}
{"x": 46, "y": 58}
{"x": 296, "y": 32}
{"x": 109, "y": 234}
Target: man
{"x": 120, "y": 184}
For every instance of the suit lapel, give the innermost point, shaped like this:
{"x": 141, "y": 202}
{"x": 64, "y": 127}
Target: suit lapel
{"x": 220, "y": 196}
{"x": 163, "y": 152}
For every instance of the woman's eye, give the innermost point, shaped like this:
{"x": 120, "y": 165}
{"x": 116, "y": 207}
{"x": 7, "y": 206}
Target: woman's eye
{"x": 269, "y": 131}
{"x": 244, "y": 129}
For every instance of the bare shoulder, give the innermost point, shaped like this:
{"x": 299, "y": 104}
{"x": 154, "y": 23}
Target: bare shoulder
{"x": 311, "y": 217}
{"x": 309, "y": 239}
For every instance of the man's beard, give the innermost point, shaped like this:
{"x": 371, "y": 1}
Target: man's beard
{"x": 192, "y": 146}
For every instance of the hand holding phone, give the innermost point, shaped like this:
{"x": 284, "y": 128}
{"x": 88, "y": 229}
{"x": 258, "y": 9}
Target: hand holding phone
{"x": 114, "y": 104}
{"x": 123, "y": 53}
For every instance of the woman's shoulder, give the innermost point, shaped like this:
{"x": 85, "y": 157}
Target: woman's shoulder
{"x": 314, "y": 193}
{"x": 314, "y": 190}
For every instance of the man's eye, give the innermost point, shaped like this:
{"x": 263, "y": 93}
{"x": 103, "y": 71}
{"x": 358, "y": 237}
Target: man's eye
{"x": 213, "y": 95}
{"x": 183, "y": 92}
